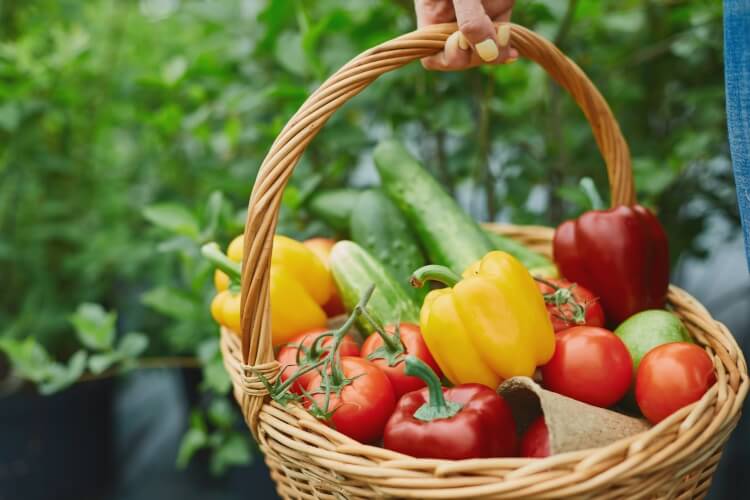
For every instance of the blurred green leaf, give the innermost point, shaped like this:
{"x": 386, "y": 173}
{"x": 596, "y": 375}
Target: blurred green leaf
{"x": 132, "y": 344}
{"x": 99, "y": 363}
{"x": 59, "y": 376}
{"x": 173, "y": 217}
{"x": 94, "y": 326}
{"x": 193, "y": 440}
{"x": 27, "y": 356}
{"x": 235, "y": 450}
{"x": 170, "y": 301}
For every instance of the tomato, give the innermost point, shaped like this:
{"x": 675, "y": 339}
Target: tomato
{"x": 414, "y": 344}
{"x": 577, "y": 301}
{"x": 535, "y": 441}
{"x": 671, "y": 376}
{"x": 287, "y": 356}
{"x": 321, "y": 247}
{"x": 361, "y": 408}
{"x": 590, "y": 364}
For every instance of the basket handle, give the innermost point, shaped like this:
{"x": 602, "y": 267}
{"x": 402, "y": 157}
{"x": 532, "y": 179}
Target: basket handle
{"x": 347, "y": 82}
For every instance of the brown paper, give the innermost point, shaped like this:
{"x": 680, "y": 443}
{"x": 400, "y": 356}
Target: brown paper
{"x": 572, "y": 425}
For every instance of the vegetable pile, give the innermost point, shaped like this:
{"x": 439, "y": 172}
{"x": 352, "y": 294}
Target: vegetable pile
{"x": 439, "y": 313}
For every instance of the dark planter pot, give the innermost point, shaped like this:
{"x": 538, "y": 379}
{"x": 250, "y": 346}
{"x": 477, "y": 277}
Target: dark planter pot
{"x": 237, "y": 478}
{"x": 57, "y": 446}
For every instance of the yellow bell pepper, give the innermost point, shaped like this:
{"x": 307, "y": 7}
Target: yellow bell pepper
{"x": 488, "y": 326}
{"x": 299, "y": 285}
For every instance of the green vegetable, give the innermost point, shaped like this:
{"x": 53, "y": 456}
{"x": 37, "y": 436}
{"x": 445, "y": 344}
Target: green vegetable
{"x": 648, "y": 329}
{"x": 380, "y": 228}
{"x": 354, "y": 271}
{"x": 537, "y": 264}
{"x": 449, "y": 236}
{"x": 334, "y": 207}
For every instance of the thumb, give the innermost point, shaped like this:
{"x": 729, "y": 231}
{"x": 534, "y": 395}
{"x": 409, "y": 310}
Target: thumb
{"x": 477, "y": 27}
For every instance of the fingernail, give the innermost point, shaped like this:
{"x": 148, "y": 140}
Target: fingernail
{"x": 452, "y": 43}
{"x": 487, "y": 50}
{"x": 503, "y": 34}
{"x": 463, "y": 43}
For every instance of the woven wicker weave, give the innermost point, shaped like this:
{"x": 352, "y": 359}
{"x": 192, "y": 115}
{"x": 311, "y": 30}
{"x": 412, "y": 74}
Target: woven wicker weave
{"x": 674, "y": 459}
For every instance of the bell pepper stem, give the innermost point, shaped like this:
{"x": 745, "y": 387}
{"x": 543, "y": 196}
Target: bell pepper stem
{"x": 213, "y": 253}
{"x": 588, "y": 187}
{"x": 436, "y": 407}
{"x": 433, "y": 272}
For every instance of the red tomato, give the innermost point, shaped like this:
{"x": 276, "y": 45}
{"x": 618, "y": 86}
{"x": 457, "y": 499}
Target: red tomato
{"x": 563, "y": 315}
{"x": 590, "y": 364}
{"x": 287, "y": 356}
{"x": 671, "y": 376}
{"x": 535, "y": 442}
{"x": 361, "y": 409}
{"x": 413, "y": 343}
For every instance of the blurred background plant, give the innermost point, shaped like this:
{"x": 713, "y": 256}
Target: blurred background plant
{"x": 130, "y": 133}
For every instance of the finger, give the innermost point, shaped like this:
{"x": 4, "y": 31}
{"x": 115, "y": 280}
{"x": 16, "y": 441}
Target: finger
{"x": 503, "y": 35}
{"x": 452, "y": 57}
{"x": 433, "y": 12}
{"x": 477, "y": 28}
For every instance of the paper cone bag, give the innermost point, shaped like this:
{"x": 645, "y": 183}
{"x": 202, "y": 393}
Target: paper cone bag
{"x": 572, "y": 425}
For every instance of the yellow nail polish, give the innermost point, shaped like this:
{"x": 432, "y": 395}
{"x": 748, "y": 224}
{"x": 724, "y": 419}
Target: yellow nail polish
{"x": 463, "y": 43}
{"x": 452, "y": 43}
{"x": 503, "y": 34}
{"x": 487, "y": 50}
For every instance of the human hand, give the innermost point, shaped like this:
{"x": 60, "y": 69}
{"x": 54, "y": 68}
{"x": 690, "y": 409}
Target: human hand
{"x": 478, "y": 41}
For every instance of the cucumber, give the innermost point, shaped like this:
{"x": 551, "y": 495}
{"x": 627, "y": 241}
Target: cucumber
{"x": 354, "y": 270}
{"x": 334, "y": 207}
{"x": 380, "y": 228}
{"x": 537, "y": 264}
{"x": 448, "y": 234}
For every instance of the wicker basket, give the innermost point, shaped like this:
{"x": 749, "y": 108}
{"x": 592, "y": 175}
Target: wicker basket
{"x": 674, "y": 459}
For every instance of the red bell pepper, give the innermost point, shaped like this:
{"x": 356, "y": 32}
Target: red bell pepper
{"x": 620, "y": 254}
{"x": 466, "y": 421}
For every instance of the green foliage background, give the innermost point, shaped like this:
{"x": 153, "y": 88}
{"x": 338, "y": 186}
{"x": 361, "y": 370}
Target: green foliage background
{"x": 131, "y": 132}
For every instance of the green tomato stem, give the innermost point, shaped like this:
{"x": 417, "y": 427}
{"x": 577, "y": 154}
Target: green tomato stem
{"x": 337, "y": 377}
{"x": 390, "y": 342}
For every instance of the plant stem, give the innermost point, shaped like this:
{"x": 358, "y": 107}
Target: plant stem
{"x": 436, "y": 407}
{"x": 434, "y": 272}
{"x": 333, "y": 361}
{"x": 213, "y": 253}
{"x": 390, "y": 342}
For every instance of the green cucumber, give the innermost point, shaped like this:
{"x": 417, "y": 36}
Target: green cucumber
{"x": 354, "y": 270}
{"x": 536, "y": 263}
{"x": 380, "y": 228}
{"x": 448, "y": 234}
{"x": 334, "y": 207}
